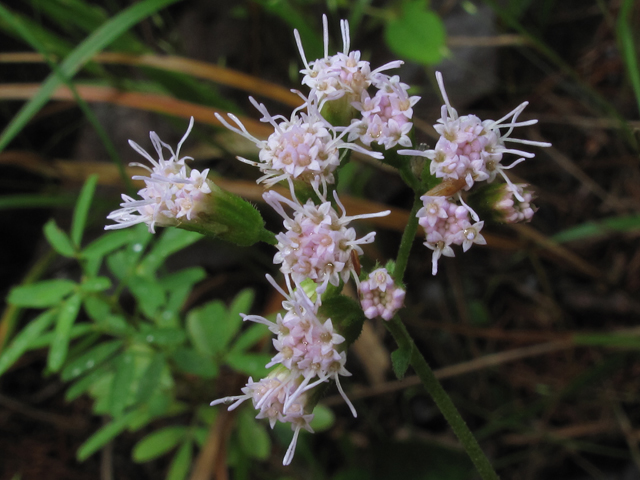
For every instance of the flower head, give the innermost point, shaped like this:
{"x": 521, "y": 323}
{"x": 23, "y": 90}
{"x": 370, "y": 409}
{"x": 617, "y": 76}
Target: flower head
{"x": 380, "y": 296}
{"x": 173, "y": 192}
{"x": 318, "y": 243}
{"x": 472, "y": 148}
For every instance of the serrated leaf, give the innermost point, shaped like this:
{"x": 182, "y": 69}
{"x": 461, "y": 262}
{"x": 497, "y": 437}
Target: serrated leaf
{"x": 151, "y": 377}
{"x": 25, "y": 338}
{"x": 58, "y": 239}
{"x": 181, "y": 463}
{"x": 171, "y": 241}
{"x": 46, "y": 293}
{"x": 190, "y": 361}
{"x": 252, "y": 364}
{"x": 81, "y": 211}
{"x": 121, "y": 385}
{"x": 418, "y": 34}
{"x": 400, "y": 360}
{"x": 203, "y": 325}
{"x": 103, "y": 436}
{"x": 323, "y": 418}
{"x": 253, "y": 436}
{"x": 158, "y": 443}
{"x": 90, "y": 360}
{"x": 96, "y": 284}
{"x": 62, "y": 333}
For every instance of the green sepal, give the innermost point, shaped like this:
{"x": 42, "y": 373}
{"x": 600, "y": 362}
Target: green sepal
{"x": 339, "y": 112}
{"x": 346, "y": 316}
{"x": 483, "y": 200}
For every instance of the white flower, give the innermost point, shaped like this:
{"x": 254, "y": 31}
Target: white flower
{"x": 173, "y": 192}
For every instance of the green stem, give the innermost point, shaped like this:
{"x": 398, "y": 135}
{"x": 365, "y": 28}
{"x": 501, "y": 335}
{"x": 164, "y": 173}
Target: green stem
{"x": 444, "y": 403}
{"x": 407, "y": 240}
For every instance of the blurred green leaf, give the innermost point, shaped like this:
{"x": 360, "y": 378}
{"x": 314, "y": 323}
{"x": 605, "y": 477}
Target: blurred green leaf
{"x": 58, "y": 239}
{"x": 86, "y": 382}
{"x": 46, "y": 293}
{"x": 81, "y": 211}
{"x": 323, "y": 418}
{"x": 36, "y": 201}
{"x": 607, "y": 226}
{"x": 62, "y": 333}
{"x": 158, "y": 443}
{"x": 113, "y": 240}
{"x": 181, "y": 463}
{"x": 161, "y": 336}
{"x": 90, "y": 360}
{"x": 178, "y": 287}
{"x": 96, "y": 308}
{"x": 151, "y": 377}
{"x": 252, "y": 364}
{"x": 400, "y": 359}
{"x": 250, "y": 337}
{"x": 122, "y": 383}
{"x": 25, "y": 338}
{"x": 418, "y": 34}
{"x": 201, "y": 434}
{"x": 190, "y": 361}
{"x": 202, "y": 327}
{"x": 104, "y": 435}
{"x": 171, "y": 241}
{"x": 241, "y": 304}
{"x": 100, "y": 38}
{"x": 47, "y": 338}
{"x": 254, "y": 439}
{"x": 149, "y": 294}
{"x": 96, "y": 284}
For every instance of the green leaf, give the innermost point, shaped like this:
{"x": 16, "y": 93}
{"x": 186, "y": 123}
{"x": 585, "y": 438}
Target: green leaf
{"x": 88, "y": 381}
{"x": 103, "y": 436}
{"x": 90, "y": 360}
{"x": 400, "y": 360}
{"x": 58, "y": 239}
{"x": 171, "y": 241}
{"x": 122, "y": 382}
{"x": 150, "y": 380}
{"x": 62, "y": 333}
{"x": 96, "y": 284}
{"x": 254, "y": 439}
{"x": 252, "y": 364}
{"x": 99, "y": 39}
{"x": 418, "y": 34}
{"x": 82, "y": 209}
{"x": 36, "y": 201}
{"x": 161, "y": 336}
{"x": 158, "y": 443}
{"x": 111, "y": 241}
{"x": 46, "y": 339}
{"x": 323, "y": 418}
{"x": 202, "y": 327}
{"x": 181, "y": 463}
{"x": 250, "y": 337}
{"x": 96, "y": 308}
{"x": 46, "y": 293}
{"x": 346, "y": 316}
{"x": 189, "y": 361}
{"x": 608, "y": 226}
{"x": 25, "y": 338}
{"x": 241, "y": 304}
{"x": 148, "y": 293}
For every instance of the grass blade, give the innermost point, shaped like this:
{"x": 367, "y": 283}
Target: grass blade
{"x": 82, "y": 209}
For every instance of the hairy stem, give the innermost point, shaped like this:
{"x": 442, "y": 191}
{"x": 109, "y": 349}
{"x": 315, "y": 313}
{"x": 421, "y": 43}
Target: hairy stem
{"x": 407, "y": 240}
{"x": 444, "y": 403}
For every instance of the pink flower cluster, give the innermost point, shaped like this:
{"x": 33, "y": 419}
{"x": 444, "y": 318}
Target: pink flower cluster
{"x": 305, "y": 147}
{"x": 446, "y": 223}
{"x": 309, "y": 354}
{"x": 385, "y": 117}
{"x": 317, "y": 244}
{"x": 509, "y": 206}
{"x": 472, "y": 149}
{"x": 172, "y": 191}
{"x": 380, "y": 296}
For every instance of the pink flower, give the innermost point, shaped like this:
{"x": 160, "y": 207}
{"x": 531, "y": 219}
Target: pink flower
{"x": 379, "y": 295}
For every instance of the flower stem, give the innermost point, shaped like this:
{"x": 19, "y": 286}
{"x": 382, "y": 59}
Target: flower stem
{"x": 444, "y": 403}
{"x": 406, "y": 243}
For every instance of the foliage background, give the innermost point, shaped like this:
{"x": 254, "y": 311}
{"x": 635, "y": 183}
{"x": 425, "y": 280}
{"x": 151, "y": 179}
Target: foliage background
{"x": 535, "y": 334}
